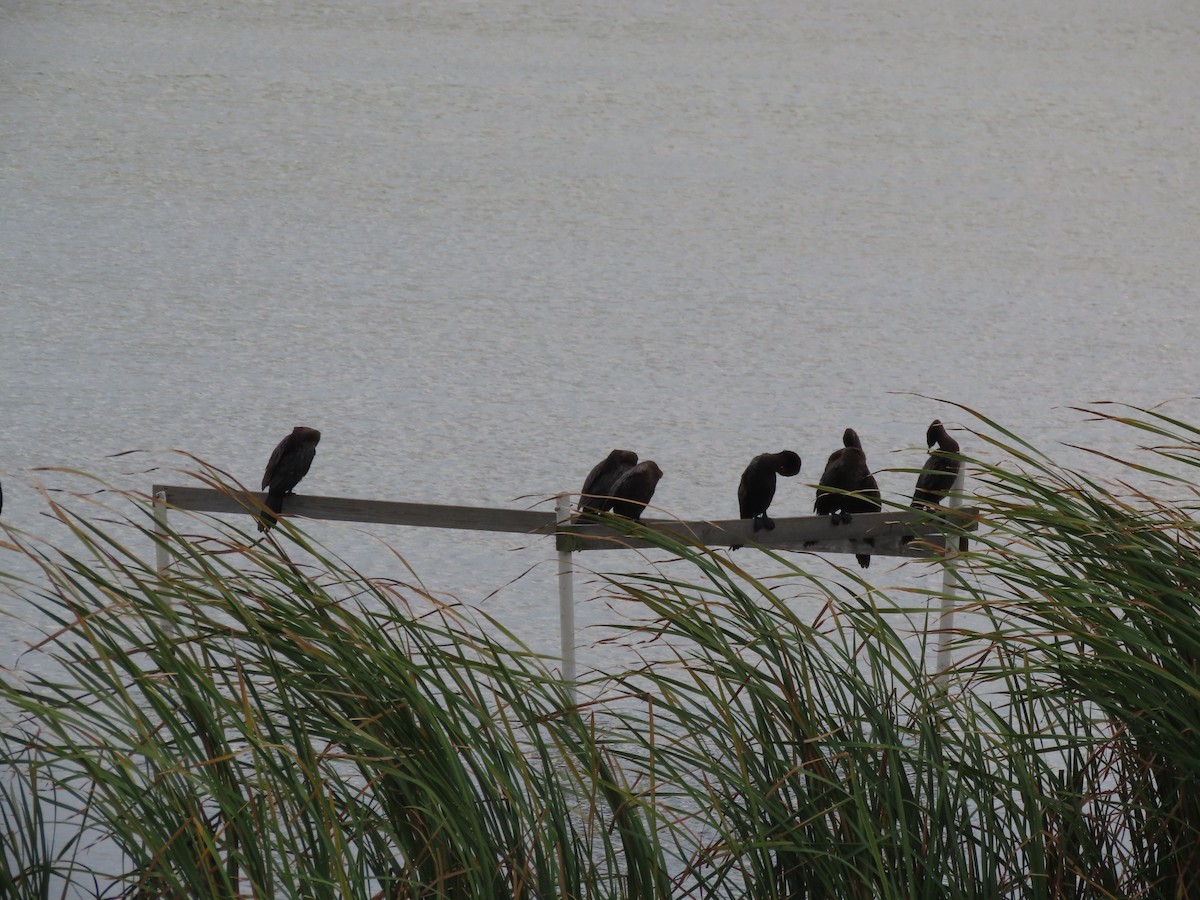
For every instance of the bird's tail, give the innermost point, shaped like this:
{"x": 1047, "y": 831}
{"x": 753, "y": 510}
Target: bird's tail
{"x": 269, "y": 516}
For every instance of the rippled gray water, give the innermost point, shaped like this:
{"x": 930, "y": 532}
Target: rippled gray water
{"x": 480, "y": 244}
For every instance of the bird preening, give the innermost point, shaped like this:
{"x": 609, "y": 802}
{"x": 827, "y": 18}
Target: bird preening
{"x": 756, "y": 490}
{"x": 847, "y": 486}
{"x": 289, "y": 462}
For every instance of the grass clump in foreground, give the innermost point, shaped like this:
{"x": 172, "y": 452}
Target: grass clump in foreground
{"x": 247, "y": 725}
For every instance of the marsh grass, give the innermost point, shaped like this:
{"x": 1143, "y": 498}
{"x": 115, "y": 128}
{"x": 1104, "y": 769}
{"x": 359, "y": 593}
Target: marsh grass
{"x": 245, "y": 725}
{"x": 262, "y": 720}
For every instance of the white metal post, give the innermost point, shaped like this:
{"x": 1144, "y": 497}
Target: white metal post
{"x": 566, "y": 598}
{"x": 162, "y": 559}
{"x": 949, "y": 585}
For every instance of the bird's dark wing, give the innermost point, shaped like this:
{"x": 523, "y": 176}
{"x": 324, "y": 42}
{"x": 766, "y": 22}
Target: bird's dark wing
{"x": 868, "y": 490}
{"x": 936, "y": 479}
{"x": 834, "y": 477}
{"x": 594, "y": 476}
{"x": 273, "y": 462}
{"x": 600, "y": 483}
{"x": 756, "y": 489}
{"x": 633, "y": 490}
{"x": 292, "y": 465}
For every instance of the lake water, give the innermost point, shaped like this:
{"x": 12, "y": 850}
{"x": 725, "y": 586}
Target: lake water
{"x": 479, "y": 244}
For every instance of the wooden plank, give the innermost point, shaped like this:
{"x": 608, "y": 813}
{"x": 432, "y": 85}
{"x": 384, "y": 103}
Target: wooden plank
{"x": 892, "y": 532}
{"x": 384, "y": 512}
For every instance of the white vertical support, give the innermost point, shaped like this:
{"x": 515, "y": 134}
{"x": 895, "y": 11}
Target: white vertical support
{"x": 949, "y": 584}
{"x": 162, "y": 559}
{"x": 566, "y": 598}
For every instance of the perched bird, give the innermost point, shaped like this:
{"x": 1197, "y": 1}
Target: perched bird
{"x": 288, "y": 464}
{"x": 634, "y": 489}
{"x": 757, "y": 487}
{"x": 941, "y": 469}
{"x": 596, "y": 495}
{"x": 847, "y": 470}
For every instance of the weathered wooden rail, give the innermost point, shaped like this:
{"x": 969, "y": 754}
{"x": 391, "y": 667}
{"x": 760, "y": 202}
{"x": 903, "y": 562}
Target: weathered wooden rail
{"x": 893, "y": 533}
{"x": 911, "y": 533}
{"x": 346, "y": 509}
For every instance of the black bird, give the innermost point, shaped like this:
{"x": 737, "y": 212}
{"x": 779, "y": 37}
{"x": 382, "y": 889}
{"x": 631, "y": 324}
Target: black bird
{"x": 941, "y": 469}
{"x": 288, "y": 464}
{"x": 757, "y": 487}
{"x": 634, "y": 489}
{"x": 596, "y": 495}
{"x": 847, "y": 470}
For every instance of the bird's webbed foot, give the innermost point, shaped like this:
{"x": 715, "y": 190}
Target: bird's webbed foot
{"x": 764, "y": 523}
{"x": 846, "y": 517}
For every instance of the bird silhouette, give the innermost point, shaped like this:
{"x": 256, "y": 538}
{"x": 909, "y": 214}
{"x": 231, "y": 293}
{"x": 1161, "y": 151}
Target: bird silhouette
{"x": 941, "y": 469}
{"x": 847, "y": 471}
{"x": 756, "y": 490}
{"x": 596, "y": 495}
{"x": 289, "y": 463}
{"x": 634, "y": 489}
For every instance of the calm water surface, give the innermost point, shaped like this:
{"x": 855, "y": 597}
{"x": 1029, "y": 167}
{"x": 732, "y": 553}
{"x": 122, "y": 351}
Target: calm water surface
{"x": 480, "y": 244}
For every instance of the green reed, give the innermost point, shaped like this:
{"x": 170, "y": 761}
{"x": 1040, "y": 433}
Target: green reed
{"x": 244, "y": 725}
{"x": 262, "y": 720}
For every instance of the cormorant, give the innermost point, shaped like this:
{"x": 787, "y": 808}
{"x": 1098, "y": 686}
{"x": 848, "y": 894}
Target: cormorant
{"x": 757, "y": 487}
{"x": 634, "y": 489}
{"x": 941, "y": 469}
{"x": 596, "y": 495}
{"x": 847, "y": 470}
{"x": 288, "y": 464}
